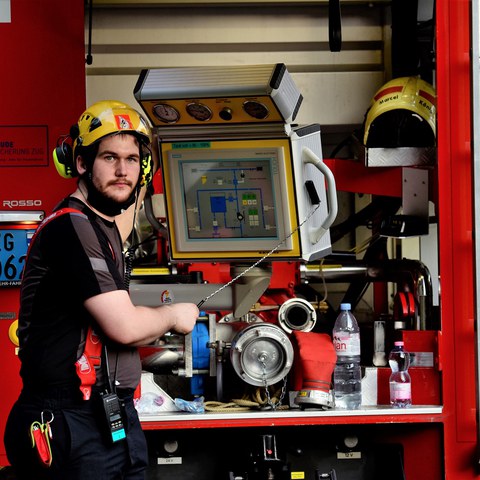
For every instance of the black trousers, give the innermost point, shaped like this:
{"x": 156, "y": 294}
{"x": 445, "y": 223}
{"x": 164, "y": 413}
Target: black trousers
{"x": 80, "y": 444}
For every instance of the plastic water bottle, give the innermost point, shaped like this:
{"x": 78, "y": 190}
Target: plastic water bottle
{"x": 347, "y": 376}
{"x": 400, "y": 382}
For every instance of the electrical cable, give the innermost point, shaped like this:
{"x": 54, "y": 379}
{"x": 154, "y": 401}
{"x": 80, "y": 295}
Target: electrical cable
{"x": 324, "y": 283}
{"x": 162, "y": 231}
{"x": 107, "y": 370}
{"x": 130, "y": 253}
{"x": 89, "y": 59}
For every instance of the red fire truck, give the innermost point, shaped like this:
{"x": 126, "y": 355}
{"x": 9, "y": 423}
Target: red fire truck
{"x": 43, "y": 89}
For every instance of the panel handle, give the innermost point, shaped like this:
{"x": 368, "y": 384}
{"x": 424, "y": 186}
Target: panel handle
{"x": 316, "y": 234}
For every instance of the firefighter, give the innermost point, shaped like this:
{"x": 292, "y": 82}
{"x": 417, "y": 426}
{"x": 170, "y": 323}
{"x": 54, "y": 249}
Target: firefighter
{"x": 78, "y": 329}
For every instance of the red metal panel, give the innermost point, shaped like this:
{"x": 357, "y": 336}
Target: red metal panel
{"x": 455, "y": 235}
{"x": 289, "y": 419}
{"x": 42, "y": 93}
{"x": 353, "y": 176}
{"x": 422, "y": 449}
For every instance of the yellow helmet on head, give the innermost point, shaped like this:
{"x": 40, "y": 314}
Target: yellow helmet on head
{"x": 402, "y": 113}
{"x": 100, "y": 120}
{"x": 108, "y": 117}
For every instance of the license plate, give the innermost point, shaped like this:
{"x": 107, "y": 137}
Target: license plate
{"x": 13, "y": 251}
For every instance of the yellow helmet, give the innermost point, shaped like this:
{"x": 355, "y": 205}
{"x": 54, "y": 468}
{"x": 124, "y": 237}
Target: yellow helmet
{"x": 98, "y": 121}
{"x": 107, "y": 117}
{"x": 402, "y": 113}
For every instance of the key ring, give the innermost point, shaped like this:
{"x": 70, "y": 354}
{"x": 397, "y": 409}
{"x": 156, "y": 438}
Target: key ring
{"x": 52, "y": 416}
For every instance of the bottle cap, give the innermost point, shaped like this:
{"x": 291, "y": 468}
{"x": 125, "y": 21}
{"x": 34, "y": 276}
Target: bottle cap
{"x": 345, "y": 306}
{"x": 399, "y": 343}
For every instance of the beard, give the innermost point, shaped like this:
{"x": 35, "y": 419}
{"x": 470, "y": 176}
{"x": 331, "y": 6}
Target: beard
{"x": 105, "y": 204}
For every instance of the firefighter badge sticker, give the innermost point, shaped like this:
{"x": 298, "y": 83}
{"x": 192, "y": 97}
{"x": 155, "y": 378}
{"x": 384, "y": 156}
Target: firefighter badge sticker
{"x": 166, "y": 297}
{"x": 124, "y": 122}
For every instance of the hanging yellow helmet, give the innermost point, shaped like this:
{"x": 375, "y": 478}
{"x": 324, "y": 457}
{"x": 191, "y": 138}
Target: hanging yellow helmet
{"x": 402, "y": 113}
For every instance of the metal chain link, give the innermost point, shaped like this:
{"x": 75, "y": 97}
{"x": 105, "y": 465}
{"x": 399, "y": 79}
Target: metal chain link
{"x": 267, "y": 392}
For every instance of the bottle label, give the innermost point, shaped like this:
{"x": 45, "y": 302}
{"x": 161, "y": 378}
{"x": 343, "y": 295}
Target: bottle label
{"x": 400, "y": 392}
{"x": 346, "y": 344}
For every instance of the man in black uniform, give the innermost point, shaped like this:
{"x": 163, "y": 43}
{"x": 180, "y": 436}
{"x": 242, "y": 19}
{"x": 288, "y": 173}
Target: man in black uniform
{"x": 78, "y": 328}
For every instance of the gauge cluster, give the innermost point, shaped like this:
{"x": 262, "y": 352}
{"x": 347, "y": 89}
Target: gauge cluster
{"x": 214, "y": 111}
{"x": 207, "y": 96}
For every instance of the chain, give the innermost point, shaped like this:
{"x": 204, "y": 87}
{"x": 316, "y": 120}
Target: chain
{"x": 273, "y": 250}
{"x": 267, "y": 391}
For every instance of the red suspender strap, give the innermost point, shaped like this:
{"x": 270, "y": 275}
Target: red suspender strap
{"x": 51, "y": 217}
{"x": 85, "y": 365}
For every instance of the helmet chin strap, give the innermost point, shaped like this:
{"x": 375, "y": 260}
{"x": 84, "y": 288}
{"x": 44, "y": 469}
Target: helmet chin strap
{"x": 104, "y": 204}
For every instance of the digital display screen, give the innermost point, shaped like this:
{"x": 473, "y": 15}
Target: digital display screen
{"x": 230, "y": 199}
{"x": 13, "y": 251}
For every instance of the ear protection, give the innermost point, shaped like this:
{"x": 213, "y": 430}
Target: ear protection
{"x": 146, "y": 169}
{"x": 63, "y": 159}
{"x": 63, "y": 153}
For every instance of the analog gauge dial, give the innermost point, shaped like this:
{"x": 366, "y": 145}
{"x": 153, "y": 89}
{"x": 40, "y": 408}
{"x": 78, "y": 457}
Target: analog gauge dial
{"x": 166, "y": 113}
{"x": 256, "y": 109}
{"x": 199, "y": 111}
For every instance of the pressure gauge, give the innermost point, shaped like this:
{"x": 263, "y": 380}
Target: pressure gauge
{"x": 199, "y": 111}
{"x": 256, "y": 109}
{"x": 166, "y": 113}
